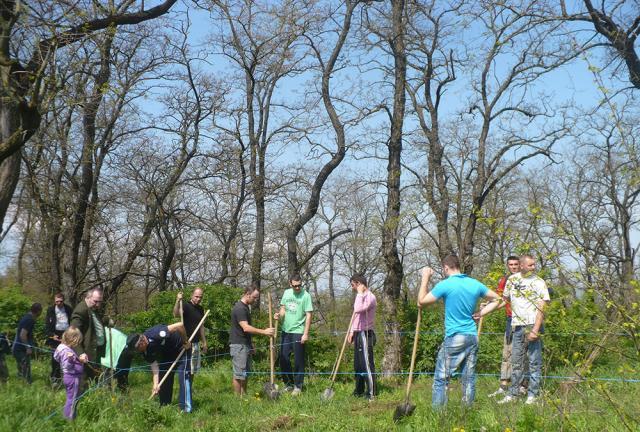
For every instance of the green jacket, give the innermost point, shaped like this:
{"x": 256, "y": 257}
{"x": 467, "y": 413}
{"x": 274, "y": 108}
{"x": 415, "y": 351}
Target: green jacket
{"x": 81, "y": 319}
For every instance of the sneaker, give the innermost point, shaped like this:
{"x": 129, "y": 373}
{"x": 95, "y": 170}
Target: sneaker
{"x": 296, "y": 391}
{"x": 287, "y": 389}
{"x": 523, "y": 390}
{"x": 531, "y": 400}
{"x": 498, "y": 392}
{"x": 507, "y": 399}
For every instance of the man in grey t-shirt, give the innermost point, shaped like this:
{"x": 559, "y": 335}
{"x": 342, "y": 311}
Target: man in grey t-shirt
{"x": 240, "y": 343}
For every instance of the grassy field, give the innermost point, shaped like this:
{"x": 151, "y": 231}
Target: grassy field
{"x": 590, "y": 407}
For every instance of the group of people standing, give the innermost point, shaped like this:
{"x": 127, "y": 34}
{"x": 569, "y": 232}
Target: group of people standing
{"x": 295, "y": 312}
{"x": 78, "y": 337}
{"x": 526, "y": 294}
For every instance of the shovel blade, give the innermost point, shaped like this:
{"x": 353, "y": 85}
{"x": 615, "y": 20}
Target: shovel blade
{"x": 327, "y": 394}
{"x": 403, "y": 410}
{"x": 271, "y": 391}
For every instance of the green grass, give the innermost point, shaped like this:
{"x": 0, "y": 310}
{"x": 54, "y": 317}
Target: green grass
{"x": 590, "y": 407}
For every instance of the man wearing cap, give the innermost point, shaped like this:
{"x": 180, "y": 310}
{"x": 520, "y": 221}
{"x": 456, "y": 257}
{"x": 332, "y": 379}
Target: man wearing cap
{"x": 161, "y": 345}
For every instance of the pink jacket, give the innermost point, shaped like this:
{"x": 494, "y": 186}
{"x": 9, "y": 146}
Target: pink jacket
{"x": 365, "y": 309}
{"x": 70, "y": 364}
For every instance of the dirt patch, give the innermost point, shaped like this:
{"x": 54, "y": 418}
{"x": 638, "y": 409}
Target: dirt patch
{"x": 284, "y": 423}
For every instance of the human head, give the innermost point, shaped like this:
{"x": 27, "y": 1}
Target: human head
{"x": 94, "y": 298}
{"x": 72, "y": 337}
{"x": 527, "y": 265}
{"x": 35, "y": 310}
{"x": 295, "y": 282}
{"x": 357, "y": 280}
{"x": 513, "y": 264}
{"x": 251, "y": 294}
{"x": 58, "y": 299}
{"x": 137, "y": 342}
{"x": 451, "y": 265}
{"x": 196, "y": 296}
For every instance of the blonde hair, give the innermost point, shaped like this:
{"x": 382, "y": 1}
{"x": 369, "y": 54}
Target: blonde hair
{"x": 72, "y": 337}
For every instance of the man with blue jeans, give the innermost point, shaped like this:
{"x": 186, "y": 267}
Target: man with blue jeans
{"x": 460, "y": 347}
{"x": 528, "y": 295}
{"x": 295, "y": 311}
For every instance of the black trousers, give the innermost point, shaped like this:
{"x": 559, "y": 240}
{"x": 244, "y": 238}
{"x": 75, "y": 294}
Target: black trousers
{"x": 56, "y": 373}
{"x": 290, "y": 343}
{"x": 363, "y": 363}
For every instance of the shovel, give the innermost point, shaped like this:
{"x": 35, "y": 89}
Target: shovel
{"x": 175, "y": 362}
{"x": 328, "y": 393}
{"x": 270, "y": 388}
{"x": 407, "y": 408}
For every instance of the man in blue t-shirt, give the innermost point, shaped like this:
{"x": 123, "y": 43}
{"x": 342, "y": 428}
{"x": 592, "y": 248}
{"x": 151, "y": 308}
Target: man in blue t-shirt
{"x": 25, "y": 343}
{"x": 459, "y": 349}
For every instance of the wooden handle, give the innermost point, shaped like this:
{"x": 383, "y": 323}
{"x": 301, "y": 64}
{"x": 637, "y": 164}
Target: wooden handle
{"x": 344, "y": 344}
{"x": 183, "y": 350}
{"x": 413, "y": 353}
{"x": 271, "y": 344}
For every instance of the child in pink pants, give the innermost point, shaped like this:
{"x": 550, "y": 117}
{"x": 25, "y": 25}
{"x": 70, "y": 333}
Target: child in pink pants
{"x": 72, "y": 368}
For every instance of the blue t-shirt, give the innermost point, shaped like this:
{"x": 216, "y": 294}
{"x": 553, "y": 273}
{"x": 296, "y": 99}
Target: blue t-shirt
{"x": 460, "y": 294}
{"x": 27, "y": 322}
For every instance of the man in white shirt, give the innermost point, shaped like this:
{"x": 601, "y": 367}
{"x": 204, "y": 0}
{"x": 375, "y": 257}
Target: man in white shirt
{"x": 528, "y": 295}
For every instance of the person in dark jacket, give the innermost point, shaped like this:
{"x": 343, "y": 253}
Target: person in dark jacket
{"x": 56, "y": 322}
{"x": 85, "y": 318}
{"x": 24, "y": 342}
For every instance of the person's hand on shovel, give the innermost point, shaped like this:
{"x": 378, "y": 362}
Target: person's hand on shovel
{"x": 155, "y": 390}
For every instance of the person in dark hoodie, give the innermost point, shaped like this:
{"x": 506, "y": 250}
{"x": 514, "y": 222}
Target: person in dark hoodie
{"x": 56, "y": 321}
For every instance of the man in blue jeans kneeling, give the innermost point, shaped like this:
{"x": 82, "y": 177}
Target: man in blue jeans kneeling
{"x": 459, "y": 350}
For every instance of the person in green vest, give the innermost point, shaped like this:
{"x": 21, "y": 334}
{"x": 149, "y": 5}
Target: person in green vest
{"x": 295, "y": 311}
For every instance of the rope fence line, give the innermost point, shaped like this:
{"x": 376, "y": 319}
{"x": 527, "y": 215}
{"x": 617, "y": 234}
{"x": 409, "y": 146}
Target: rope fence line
{"x": 147, "y": 368}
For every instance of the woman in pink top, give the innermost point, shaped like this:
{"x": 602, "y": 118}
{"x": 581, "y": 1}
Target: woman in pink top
{"x": 363, "y": 337}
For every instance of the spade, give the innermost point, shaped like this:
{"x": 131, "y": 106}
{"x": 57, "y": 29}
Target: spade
{"x": 270, "y": 388}
{"x": 407, "y": 408}
{"x": 328, "y": 393}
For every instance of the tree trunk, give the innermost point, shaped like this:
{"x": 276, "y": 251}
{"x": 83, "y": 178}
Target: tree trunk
{"x": 393, "y": 279}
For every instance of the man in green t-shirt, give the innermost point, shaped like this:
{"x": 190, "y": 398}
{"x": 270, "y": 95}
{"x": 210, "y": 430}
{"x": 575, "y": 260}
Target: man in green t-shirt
{"x": 295, "y": 310}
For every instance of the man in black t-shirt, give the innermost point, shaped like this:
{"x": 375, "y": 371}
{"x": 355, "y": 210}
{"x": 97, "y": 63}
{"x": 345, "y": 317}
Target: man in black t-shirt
{"x": 240, "y": 343}
{"x": 191, "y": 315}
{"x": 160, "y": 345}
{"x": 24, "y": 342}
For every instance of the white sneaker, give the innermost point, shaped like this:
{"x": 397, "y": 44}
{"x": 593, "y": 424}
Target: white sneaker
{"x": 498, "y": 392}
{"x": 507, "y": 399}
{"x": 531, "y": 400}
{"x": 296, "y": 391}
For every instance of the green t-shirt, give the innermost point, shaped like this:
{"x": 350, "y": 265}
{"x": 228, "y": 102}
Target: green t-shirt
{"x": 296, "y": 307}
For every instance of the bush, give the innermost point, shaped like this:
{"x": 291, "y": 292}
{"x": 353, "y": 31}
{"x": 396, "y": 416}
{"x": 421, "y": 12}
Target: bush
{"x": 219, "y": 299}
{"x": 13, "y": 305}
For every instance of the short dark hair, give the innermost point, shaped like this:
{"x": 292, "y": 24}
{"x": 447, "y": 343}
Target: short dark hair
{"x": 251, "y": 288}
{"x": 358, "y": 278}
{"x": 295, "y": 277}
{"x": 513, "y": 258}
{"x": 451, "y": 261}
{"x": 36, "y": 308}
{"x": 59, "y": 294}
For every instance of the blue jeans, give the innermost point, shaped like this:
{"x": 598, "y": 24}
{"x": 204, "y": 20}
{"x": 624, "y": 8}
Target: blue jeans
{"x": 290, "y": 343}
{"x": 520, "y": 349}
{"x": 459, "y": 351}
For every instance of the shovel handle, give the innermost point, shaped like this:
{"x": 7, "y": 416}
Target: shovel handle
{"x": 344, "y": 344}
{"x": 413, "y": 353}
{"x": 271, "y": 344}
{"x": 195, "y": 332}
